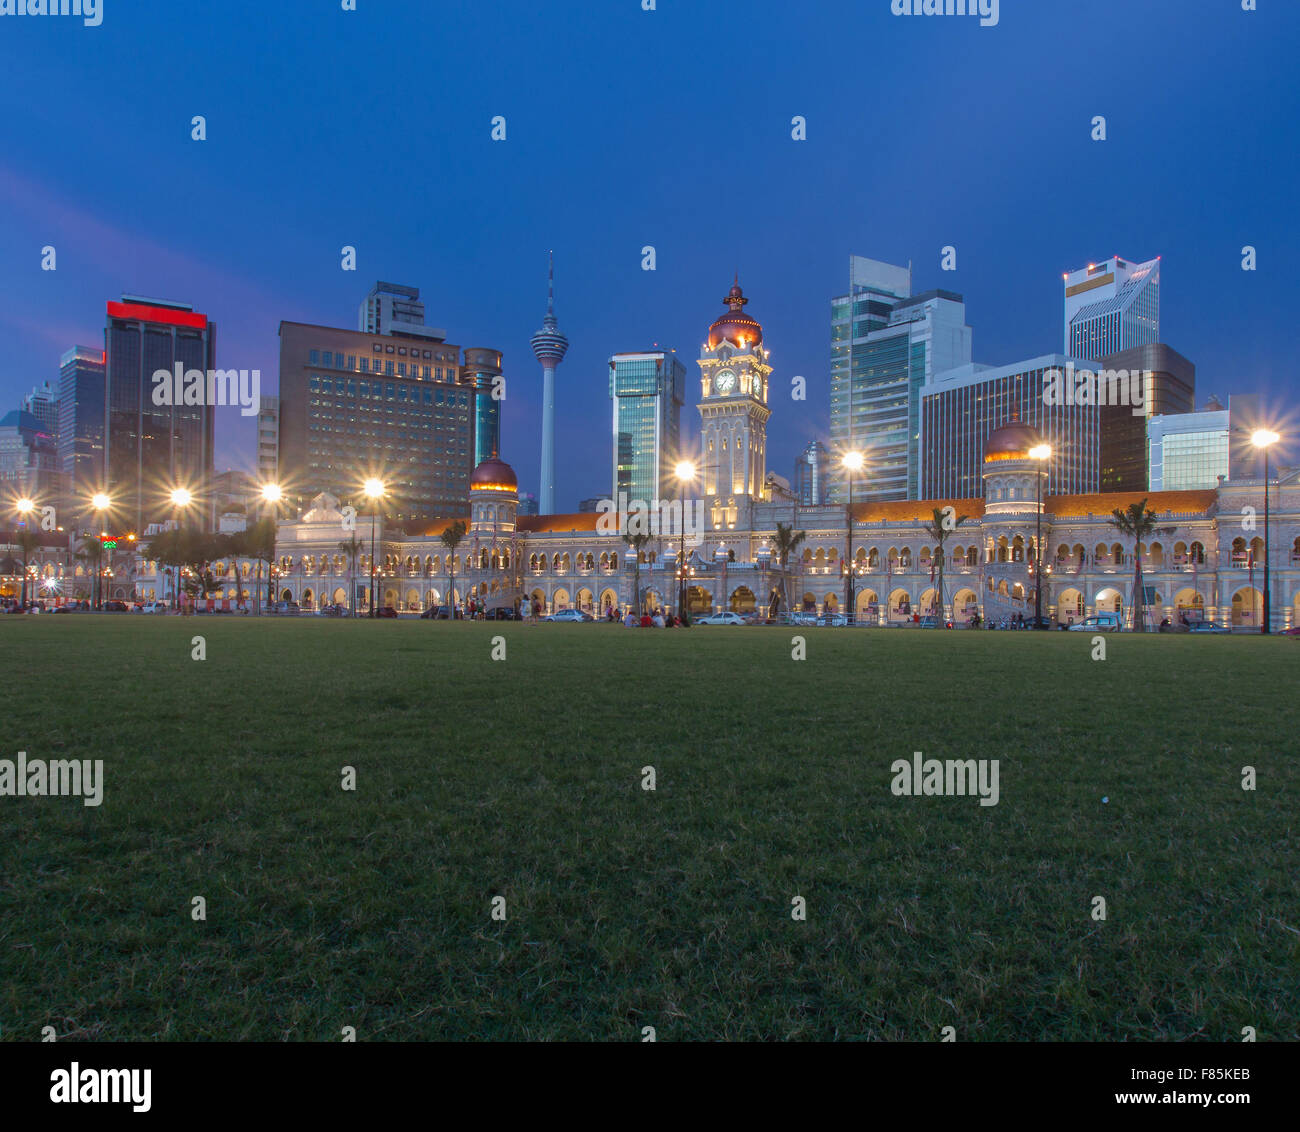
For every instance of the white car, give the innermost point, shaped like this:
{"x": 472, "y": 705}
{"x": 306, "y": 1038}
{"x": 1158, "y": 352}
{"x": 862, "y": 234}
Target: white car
{"x": 725, "y": 618}
{"x": 1100, "y": 623}
{"x": 569, "y": 615}
{"x": 154, "y": 607}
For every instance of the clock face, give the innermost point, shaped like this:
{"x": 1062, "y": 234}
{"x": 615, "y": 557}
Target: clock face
{"x": 725, "y": 382}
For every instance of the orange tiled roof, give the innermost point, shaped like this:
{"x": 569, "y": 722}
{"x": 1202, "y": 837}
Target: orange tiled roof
{"x": 558, "y": 524}
{"x": 1103, "y": 503}
{"x": 914, "y": 510}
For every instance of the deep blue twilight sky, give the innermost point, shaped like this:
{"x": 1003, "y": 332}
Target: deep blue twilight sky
{"x": 628, "y": 128}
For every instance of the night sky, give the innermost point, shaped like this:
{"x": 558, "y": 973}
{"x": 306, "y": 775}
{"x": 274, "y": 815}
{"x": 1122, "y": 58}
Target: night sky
{"x": 627, "y": 128}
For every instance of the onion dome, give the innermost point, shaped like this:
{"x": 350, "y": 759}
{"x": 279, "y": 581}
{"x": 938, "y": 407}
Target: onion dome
{"x": 1011, "y": 441}
{"x": 493, "y": 475}
{"x": 736, "y": 326}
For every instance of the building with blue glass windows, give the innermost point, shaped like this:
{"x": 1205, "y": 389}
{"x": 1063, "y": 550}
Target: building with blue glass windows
{"x": 646, "y": 390}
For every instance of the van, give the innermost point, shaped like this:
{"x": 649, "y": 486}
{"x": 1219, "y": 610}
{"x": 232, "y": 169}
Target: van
{"x": 1100, "y": 623}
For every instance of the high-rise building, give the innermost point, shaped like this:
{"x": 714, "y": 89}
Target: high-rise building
{"x": 1111, "y": 306}
{"x": 646, "y": 389}
{"x": 482, "y": 371}
{"x": 734, "y": 372}
{"x": 355, "y": 405}
{"x": 268, "y": 440}
{"x": 29, "y": 458}
{"x": 1168, "y": 384}
{"x": 1188, "y": 451}
{"x": 962, "y": 407}
{"x": 874, "y": 290}
{"x": 152, "y": 449}
{"x": 877, "y": 411}
{"x": 392, "y": 308}
{"x": 81, "y": 424}
{"x": 527, "y": 503}
{"x": 810, "y": 474}
{"x": 549, "y": 347}
{"x": 43, "y": 403}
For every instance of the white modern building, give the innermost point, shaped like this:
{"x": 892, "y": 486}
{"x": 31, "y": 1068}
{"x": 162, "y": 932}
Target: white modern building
{"x": 1111, "y": 306}
{"x": 1188, "y": 451}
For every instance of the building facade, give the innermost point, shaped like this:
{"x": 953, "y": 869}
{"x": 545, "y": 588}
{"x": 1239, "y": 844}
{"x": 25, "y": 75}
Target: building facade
{"x": 1111, "y": 306}
{"x": 1168, "y": 387}
{"x": 355, "y": 405}
{"x": 395, "y": 309}
{"x": 150, "y": 449}
{"x": 646, "y": 392}
{"x": 81, "y": 423}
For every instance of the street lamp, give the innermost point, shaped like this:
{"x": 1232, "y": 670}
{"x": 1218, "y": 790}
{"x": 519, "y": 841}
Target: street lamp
{"x": 101, "y": 503}
{"x": 374, "y": 489}
{"x": 685, "y": 472}
{"x": 181, "y": 498}
{"x": 1263, "y": 439}
{"x": 25, "y": 508}
{"x": 271, "y": 496}
{"x": 1042, "y": 453}
{"x": 852, "y": 462}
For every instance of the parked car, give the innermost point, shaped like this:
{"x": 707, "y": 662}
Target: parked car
{"x": 1100, "y": 623}
{"x": 154, "y": 607}
{"x": 724, "y": 618}
{"x": 833, "y": 620}
{"x": 288, "y": 608}
{"x": 569, "y": 615}
{"x": 502, "y": 613}
{"x": 116, "y": 607}
{"x": 1207, "y": 627}
{"x": 386, "y": 611}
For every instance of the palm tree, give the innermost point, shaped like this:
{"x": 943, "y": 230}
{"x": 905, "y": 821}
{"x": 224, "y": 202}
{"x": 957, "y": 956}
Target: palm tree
{"x": 92, "y": 554}
{"x": 452, "y": 538}
{"x": 352, "y": 548}
{"x": 787, "y": 540}
{"x": 636, "y": 542}
{"x": 1138, "y": 523}
{"x": 943, "y": 525}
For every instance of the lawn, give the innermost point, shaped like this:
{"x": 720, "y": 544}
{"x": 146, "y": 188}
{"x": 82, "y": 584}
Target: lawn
{"x": 626, "y": 908}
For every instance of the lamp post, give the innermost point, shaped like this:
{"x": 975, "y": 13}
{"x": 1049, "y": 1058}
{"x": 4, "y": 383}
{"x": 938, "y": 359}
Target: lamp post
{"x": 374, "y": 489}
{"x": 101, "y": 503}
{"x": 25, "y": 508}
{"x": 685, "y": 472}
{"x": 1042, "y": 453}
{"x": 181, "y": 498}
{"x": 852, "y": 465}
{"x": 1263, "y": 439}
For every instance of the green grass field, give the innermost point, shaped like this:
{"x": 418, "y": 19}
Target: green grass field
{"x": 628, "y": 908}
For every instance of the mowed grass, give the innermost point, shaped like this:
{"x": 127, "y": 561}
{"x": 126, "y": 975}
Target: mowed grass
{"x": 522, "y": 778}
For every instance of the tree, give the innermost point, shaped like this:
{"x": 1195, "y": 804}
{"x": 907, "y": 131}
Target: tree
{"x": 945, "y": 522}
{"x": 351, "y": 547}
{"x": 1138, "y": 523}
{"x": 637, "y": 542}
{"x": 196, "y": 550}
{"x": 28, "y": 541}
{"x": 787, "y": 541}
{"x": 451, "y": 539}
{"x": 259, "y": 542}
{"x": 92, "y": 554}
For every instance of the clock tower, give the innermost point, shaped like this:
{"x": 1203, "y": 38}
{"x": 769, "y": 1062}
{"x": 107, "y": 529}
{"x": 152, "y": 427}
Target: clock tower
{"x": 733, "y": 410}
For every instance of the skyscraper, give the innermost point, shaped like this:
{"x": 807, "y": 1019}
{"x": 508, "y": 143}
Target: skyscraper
{"x": 151, "y": 449}
{"x": 646, "y": 390}
{"x": 810, "y": 474}
{"x": 482, "y": 371}
{"x": 81, "y": 424}
{"x": 1168, "y": 383}
{"x": 393, "y": 308}
{"x": 355, "y": 405}
{"x": 1111, "y": 306}
{"x": 883, "y": 351}
{"x": 268, "y": 440}
{"x": 43, "y": 403}
{"x": 549, "y": 347}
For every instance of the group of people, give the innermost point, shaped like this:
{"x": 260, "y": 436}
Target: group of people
{"x": 657, "y": 620}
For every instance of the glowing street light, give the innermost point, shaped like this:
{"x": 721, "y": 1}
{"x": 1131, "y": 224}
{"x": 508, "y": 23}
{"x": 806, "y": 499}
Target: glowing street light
{"x": 181, "y": 498}
{"x": 1264, "y": 439}
{"x": 272, "y": 492}
{"x": 685, "y": 472}
{"x": 374, "y": 490}
{"x": 853, "y": 462}
{"x": 1042, "y": 453}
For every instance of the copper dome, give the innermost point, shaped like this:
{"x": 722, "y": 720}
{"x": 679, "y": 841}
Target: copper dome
{"x": 1011, "y": 441}
{"x": 493, "y": 475}
{"x": 736, "y": 326}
